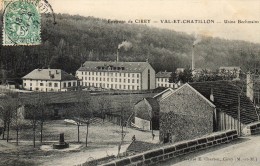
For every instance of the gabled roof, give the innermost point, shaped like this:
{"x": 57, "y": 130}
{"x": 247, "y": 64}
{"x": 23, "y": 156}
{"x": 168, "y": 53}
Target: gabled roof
{"x": 168, "y": 90}
{"x": 124, "y": 67}
{"x": 163, "y": 74}
{"x": 187, "y": 85}
{"x": 53, "y": 97}
{"x": 226, "y": 96}
{"x": 49, "y": 74}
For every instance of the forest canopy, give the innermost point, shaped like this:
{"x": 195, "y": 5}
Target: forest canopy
{"x": 75, "y": 39}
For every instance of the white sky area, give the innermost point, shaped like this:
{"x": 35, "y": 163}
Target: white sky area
{"x": 156, "y": 10}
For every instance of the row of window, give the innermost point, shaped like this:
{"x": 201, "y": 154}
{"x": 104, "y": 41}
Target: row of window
{"x": 111, "y": 79}
{"x": 112, "y": 86}
{"x": 163, "y": 79}
{"x": 111, "y": 74}
{"x": 50, "y": 84}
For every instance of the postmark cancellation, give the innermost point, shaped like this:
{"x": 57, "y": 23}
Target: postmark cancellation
{"x": 21, "y": 22}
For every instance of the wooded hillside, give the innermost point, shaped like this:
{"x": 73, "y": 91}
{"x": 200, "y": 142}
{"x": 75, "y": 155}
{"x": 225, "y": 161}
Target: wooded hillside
{"x": 75, "y": 39}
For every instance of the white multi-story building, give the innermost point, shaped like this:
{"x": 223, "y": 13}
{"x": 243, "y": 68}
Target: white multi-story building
{"x": 163, "y": 78}
{"x": 47, "y": 80}
{"x": 117, "y": 75}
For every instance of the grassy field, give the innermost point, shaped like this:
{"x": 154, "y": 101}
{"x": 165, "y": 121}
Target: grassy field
{"x": 102, "y": 136}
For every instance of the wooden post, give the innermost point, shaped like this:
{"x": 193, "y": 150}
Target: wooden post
{"x": 238, "y": 117}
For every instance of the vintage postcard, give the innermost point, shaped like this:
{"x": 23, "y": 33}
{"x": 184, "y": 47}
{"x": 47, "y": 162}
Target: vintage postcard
{"x": 130, "y": 82}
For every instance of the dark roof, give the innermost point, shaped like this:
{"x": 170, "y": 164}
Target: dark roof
{"x": 163, "y": 74}
{"x": 53, "y": 97}
{"x": 139, "y": 146}
{"x": 145, "y": 113}
{"x": 226, "y": 98}
{"x": 124, "y": 67}
{"x": 153, "y": 103}
{"x": 230, "y": 68}
{"x": 49, "y": 74}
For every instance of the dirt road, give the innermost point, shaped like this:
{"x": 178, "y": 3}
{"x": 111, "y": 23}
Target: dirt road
{"x": 242, "y": 152}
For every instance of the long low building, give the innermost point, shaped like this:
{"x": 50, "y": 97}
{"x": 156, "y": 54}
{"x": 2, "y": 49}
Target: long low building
{"x": 117, "y": 75}
{"x": 49, "y": 80}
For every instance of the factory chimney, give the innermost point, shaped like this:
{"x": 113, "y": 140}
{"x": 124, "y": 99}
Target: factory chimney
{"x": 192, "y": 58}
{"x": 117, "y": 55}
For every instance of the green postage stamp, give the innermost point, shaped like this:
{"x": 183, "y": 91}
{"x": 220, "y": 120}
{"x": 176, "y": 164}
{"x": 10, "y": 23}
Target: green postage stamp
{"x": 21, "y": 22}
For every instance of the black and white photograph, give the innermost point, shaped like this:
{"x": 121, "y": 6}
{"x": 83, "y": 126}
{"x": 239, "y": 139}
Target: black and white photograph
{"x": 130, "y": 82}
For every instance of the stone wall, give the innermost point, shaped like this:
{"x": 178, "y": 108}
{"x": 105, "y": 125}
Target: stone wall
{"x": 174, "y": 150}
{"x": 185, "y": 115}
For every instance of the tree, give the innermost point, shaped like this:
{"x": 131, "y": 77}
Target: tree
{"x": 123, "y": 122}
{"x": 174, "y": 78}
{"x": 186, "y": 76}
{"x": 83, "y": 112}
{"x": 8, "y": 108}
{"x": 104, "y": 106}
{"x": 34, "y": 113}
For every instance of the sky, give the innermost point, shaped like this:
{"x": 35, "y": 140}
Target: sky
{"x": 157, "y": 10}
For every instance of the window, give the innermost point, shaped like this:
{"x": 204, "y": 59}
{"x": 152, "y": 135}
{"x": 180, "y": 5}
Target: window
{"x": 124, "y": 86}
{"x": 24, "y": 84}
{"x": 89, "y": 78}
{"x": 55, "y": 84}
{"x": 107, "y": 79}
{"x": 115, "y": 79}
{"x": 133, "y": 87}
{"x": 64, "y": 84}
{"x": 137, "y": 75}
{"x": 107, "y": 85}
{"x": 96, "y": 78}
{"x": 128, "y": 74}
{"x": 50, "y": 84}
{"x": 124, "y": 74}
{"x": 82, "y": 73}
{"x": 133, "y": 81}
{"x": 93, "y": 78}
{"x": 137, "y": 87}
{"x": 120, "y": 86}
{"x": 74, "y": 83}
{"x": 69, "y": 84}
{"x": 119, "y": 79}
{"x": 111, "y": 86}
{"x": 86, "y": 78}
{"x": 100, "y": 79}
{"x": 86, "y": 73}
{"x": 120, "y": 74}
{"x": 128, "y": 86}
{"x": 133, "y": 75}
{"x": 41, "y": 84}
{"x": 116, "y": 74}
{"x": 128, "y": 80}
{"x": 115, "y": 86}
{"x": 104, "y": 79}
{"x": 100, "y": 73}
{"x": 137, "y": 81}
{"x": 104, "y": 74}
{"x": 111, "y": 79}
{"x": 124, "y": 80}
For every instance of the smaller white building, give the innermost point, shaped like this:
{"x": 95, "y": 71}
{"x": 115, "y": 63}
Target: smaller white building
{"x": 49, "y": 80}
{"x": 163, "y": 78}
